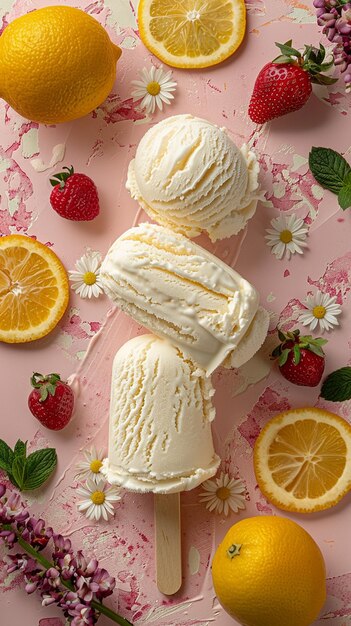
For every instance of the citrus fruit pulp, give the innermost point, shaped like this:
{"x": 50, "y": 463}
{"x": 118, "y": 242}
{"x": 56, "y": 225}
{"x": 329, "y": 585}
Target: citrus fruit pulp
{"x": 192, "y": 33}
{"x": 268, "y": 571}
{"x": 34, "y": 289}
{"x": 302, "y": 459}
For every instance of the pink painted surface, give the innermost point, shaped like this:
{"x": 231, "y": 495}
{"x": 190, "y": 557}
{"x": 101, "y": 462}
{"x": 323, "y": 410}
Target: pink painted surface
{"x": 102, "y": 145}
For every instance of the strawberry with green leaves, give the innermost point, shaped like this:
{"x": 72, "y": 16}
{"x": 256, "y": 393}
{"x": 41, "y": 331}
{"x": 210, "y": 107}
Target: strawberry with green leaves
{"x": 285, "y": 84}
{"x": 74, "y": 196}
{"x": 301, "y": 359}
{"x": 51, "y": 401}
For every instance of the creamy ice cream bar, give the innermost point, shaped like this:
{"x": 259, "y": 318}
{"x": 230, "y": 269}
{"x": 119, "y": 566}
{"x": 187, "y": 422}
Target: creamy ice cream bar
{"x": 181, "y": 292}
{"x": 189, "y": 175}
{"x": 161, "y": 411}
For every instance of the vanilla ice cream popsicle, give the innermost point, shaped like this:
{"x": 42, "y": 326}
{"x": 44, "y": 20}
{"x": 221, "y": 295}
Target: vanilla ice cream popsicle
{"x": 183, "y": 293}
{"x": 190, "y": 176}
{"x": 161, "y": 411}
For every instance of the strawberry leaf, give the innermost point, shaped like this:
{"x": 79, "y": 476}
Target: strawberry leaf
{"x": 284, "y": 357}
{"x": 287, "y": 50}
{"x": 281, "y": 336}
{"x": 337, "y": 386}
{"x": 315, "y": 349}
{"x": 297, "y": 354}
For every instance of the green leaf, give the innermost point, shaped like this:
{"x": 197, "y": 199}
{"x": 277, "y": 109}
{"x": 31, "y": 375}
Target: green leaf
{"x": 11, "y": 478}
{"x": 344, "y": 196}
{"x": 281, "y": 335}
{"x": 18, "y": 471}
{"x": 315, "y": 349}
{"x": 284, "y": 356}
{"x": 6, "y": 456}
{"x": 20, "y": 449}
{"x": 287, "y": 50}
{"x": 276, "y": 352}
{"x": 337, "y": 386}
{"x": 282, "y": 59}
{"x": 329, "y": 168}
{"x": 322, "y": 79}
{"x": 297, "y": 354}
{"x": 39, "y": 466}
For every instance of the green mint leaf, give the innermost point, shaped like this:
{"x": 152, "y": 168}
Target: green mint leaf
{"x": 20, "y": 449}
{"x": 344, "y": 197}
{"x": 6, "y": 456}
{"x": 39, "y": 466}
{"x": 337, "y": 386}
{"x": 18, "y": 471}
{"x": 11, "y": 478}
{"x": 329, "y": 168}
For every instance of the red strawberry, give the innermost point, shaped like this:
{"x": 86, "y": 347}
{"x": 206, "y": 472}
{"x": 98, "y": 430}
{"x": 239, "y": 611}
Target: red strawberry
{"x": 51, "y": 401}
{"x": 74, "y": 196}
{"x": 301, "y": 359}
{"x": 285, "y": 84}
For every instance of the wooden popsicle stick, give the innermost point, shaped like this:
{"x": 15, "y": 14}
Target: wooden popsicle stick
{"x": 168, "y": 543}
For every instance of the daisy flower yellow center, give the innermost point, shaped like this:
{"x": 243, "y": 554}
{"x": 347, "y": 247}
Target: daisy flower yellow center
{"x": 89, "y": 278}
{"x": 223, "y": 493}
{"x": 319, "y": 312}
{"x": 97, "y": 497}
{"x": 153, "y": 88}
{"x": 285, "y": 236}
{"x": 95, "y": 466}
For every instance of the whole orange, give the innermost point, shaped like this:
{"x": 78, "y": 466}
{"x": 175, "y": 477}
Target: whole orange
{"x": 268, "y": 571}
{"x": 56, "y": 64}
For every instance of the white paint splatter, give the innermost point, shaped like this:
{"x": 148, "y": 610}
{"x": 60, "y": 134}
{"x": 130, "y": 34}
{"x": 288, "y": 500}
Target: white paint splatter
{"x": 58, "y": 153}
{"x": 30, "y": 143}
{"x": 194, "y": 560}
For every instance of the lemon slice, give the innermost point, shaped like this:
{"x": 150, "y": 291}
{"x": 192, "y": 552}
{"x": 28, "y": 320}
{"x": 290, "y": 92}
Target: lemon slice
{"x": 192, "y": 33}
{"x": 34, "y": 289}
{"x": 302, "y": 460}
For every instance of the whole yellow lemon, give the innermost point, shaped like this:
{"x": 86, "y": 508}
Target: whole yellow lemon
{"x": 56, "y": 64}
{"x": 268, "y": 571}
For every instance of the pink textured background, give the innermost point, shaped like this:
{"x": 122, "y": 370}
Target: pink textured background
{"x": 102, "y": 145}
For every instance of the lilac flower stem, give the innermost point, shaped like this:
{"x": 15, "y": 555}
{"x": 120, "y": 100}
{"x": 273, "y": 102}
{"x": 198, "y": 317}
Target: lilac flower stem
{"x": 97, "y": 606}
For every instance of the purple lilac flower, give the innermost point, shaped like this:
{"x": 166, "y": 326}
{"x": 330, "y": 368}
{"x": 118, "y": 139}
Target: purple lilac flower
{"x": 335, "y": 18}
{"x": 71, "y": 581}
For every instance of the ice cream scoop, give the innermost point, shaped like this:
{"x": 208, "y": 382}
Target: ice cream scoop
{"x": 160, "y": 437}
{"x": 161, "y": 411}
{"x": 185, "y": 294}
{"x": 190, "y": 176}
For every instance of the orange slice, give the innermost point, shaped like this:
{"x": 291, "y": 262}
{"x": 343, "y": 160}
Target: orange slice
{"x": 192, "y": 33}
{"x": 302, "y": 460}
{"x": 34, "y": 289}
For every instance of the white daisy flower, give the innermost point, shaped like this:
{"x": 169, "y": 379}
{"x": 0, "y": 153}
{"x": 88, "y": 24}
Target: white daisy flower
{"x": 98, "y": 499}
{"x": 90, "y": 468}
{"x": 224, "y": 494}
{"x": 287, "y": 236}
{"x": 86, "y": 278}
{"x": 322, "y": 310}
{"x": 154, "y": 88}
